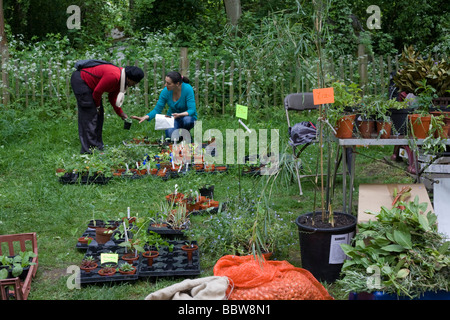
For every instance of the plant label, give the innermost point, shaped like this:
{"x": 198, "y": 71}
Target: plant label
{"x": 241, "y": 111}
{"x": 323, "y": 96}
{"x": 109, "y": 258}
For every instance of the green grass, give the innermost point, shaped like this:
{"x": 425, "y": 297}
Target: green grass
{"x": 32, "y": 199}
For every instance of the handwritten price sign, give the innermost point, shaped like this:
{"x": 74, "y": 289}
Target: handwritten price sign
{"x": 323, "y": 96}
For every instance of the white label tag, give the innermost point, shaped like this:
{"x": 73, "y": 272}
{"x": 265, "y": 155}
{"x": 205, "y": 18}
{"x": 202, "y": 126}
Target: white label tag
{"x": 337, "y": 255}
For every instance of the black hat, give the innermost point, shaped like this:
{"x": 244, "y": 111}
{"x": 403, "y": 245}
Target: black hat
{"x": 134, "y": 73}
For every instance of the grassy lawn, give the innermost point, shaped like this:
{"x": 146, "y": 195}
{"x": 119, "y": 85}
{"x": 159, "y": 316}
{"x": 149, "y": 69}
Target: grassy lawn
{"x": 33, "y": 200}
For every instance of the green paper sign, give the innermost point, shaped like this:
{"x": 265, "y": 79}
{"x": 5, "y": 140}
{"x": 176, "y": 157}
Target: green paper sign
{"x": 109, "y": 258}
{"x": 241, "y": 111}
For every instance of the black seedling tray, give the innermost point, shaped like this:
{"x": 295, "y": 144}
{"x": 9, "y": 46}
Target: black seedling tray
{"x": 90, "y": 232}
{"x": 94, "y": 277}
{"x": 173, "y": 263}
{"x": 167, "y": 232}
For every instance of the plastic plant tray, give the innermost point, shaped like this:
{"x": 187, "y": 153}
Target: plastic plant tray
{"x": 94, "y": 277}
{"x": 173, "y": 263}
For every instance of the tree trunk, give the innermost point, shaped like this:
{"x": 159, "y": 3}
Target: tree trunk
{"x": 233, "y": 10}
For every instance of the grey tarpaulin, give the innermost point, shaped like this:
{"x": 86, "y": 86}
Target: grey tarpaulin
{"x": 302, "y": 133}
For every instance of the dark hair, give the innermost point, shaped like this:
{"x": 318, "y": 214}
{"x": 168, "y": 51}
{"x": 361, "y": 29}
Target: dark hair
{"x": 177, "y": 77}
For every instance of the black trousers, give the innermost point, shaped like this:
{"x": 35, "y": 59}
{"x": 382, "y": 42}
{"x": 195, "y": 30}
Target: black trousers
{"x": 90, "y": 119}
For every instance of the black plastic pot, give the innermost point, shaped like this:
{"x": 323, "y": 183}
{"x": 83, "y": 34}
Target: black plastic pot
{"x": 399, "y": 120}
{"x": 320, "y": 249}
{"x": 207, "y": 192}
{"x": 127, "y": 125}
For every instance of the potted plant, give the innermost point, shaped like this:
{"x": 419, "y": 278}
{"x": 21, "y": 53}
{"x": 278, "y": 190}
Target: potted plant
{"x": 178, "y": 218}
{"x": 189, "y": 248}
{"x": 400, "y": 255}
{"x": 85, "y": 240}
{"x": 88, "y": 264}
{"x": 107, "y": 270}
{"x": 126, "y": 269}
{"x": 421, "y": 118}
{"x": 367, "y": 112}
{"x": 152, "y": 242}
{"x": 340, "y": 114}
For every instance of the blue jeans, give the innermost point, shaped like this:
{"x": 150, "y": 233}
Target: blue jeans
{"x": 186, "y": 122}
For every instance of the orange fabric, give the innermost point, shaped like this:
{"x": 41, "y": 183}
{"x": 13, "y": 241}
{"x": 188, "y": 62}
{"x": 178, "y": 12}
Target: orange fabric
{"x": 268, "y": 280}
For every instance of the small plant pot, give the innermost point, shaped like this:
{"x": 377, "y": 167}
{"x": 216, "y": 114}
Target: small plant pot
{"x": 344, "y": 127}
{"x": 189, "y": 249}
{"x": 221, "y": 168}
{"x": 420, "y": 125}
{"x": 385, "y": 127}
{"x": 84, "y": 240}
{"x": 366, "y": 127}
{"x": 127, "y": 125}
{"x": 89, "y": 269}
{"x": 130, "y": 257}
{"x": 150, "y": 255}
{"x": 107, "y": 272}
{"x": 128, "y": 272}
{"x": 102, "y": 235}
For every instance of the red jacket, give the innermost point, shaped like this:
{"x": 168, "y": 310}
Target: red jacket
{"x": 106, "y": 79}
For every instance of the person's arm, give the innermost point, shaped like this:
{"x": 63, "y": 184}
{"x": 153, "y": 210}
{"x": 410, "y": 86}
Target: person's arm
{"x": 159, "y": 105}
{"x": 190, "y": 104}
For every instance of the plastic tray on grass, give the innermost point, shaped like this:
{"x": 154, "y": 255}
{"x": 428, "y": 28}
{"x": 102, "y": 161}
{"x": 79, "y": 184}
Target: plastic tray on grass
{"x": 94, "y": 277}
{"x": 173, "y": 263}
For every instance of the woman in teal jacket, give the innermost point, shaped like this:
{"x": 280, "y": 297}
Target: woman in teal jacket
{"x": 178, "y": 94}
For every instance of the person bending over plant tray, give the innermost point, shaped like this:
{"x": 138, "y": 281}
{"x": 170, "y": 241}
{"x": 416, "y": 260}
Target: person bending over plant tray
{"x": 91, "y": 79}
{"x": 178, "y": 94}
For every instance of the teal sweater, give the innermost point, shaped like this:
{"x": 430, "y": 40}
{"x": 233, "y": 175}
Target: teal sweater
{"x": 185, "y": 103}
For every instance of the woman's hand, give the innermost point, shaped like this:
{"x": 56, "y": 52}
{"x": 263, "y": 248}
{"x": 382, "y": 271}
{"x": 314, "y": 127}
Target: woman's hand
{"x": 141, "y": 119}
{"x": 177, "y": 115}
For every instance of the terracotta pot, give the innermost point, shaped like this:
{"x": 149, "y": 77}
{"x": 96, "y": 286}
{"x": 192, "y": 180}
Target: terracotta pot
{"x": 344, "y": 127}
{"x": 386, "y": 127}
{"x": 221, "y": 168}
{"x": 420, "y": 125}
{"x": 366, "y": 127}
{"x": 128, "y": 272}
{"x": 198, "y": 166}
{"x": 445, "y": 132}
{"x": 107, "y": 271}
{"x": 89, "y": 269}
{"x": 130, "y": 257}
{"x": 102, "y": 235}
{"x": 214, "y": 203}
{"x": 153, "y": 171}
{"x": 189, "y": 249}
{"x": 159, "y": 225}
{"x": 84, "y": 240}
{"x": 150, "y": 255}
{"x": 177, "y": 198}
{"x": 209, "y": 167}
{"x": 130, "y": 220}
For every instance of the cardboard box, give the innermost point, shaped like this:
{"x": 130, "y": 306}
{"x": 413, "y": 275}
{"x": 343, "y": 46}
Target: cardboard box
{"x": 374, "y": 196}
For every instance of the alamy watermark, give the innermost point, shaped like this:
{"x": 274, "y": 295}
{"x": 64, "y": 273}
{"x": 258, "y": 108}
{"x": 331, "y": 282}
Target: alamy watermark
{"x": 74, "y": 20}
{"x": 222, "y": 151}
{"x": 374, "y": 21}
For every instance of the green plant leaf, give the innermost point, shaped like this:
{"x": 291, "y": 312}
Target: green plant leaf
{"x": 403, "y": 237}
{"x": 393, "y": 248}
{"x": 424, "y": 222}
{"x": 402, "y": 273}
